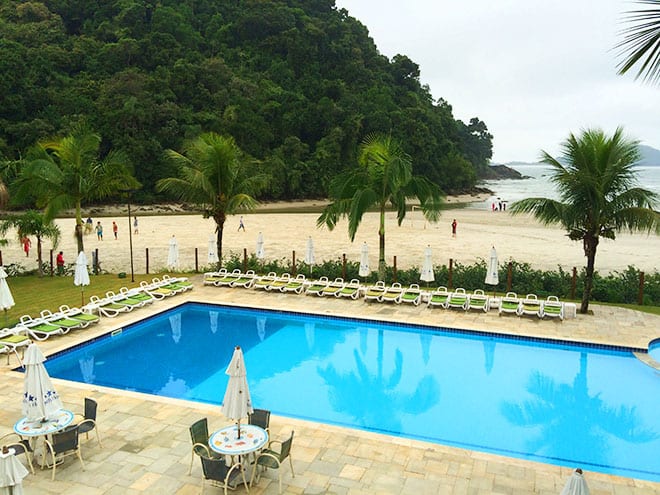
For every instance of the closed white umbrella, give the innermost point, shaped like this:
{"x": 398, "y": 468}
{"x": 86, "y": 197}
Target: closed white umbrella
{"x": 309, "y": 252}
{"x": 492, "y": 277}
{"x": 237, "y": 403}
{"x": 40, "y": 400}
{"x": 173, "y": 254}
{"x": 576, "y": 484}
{"x": 213, "y": 255}
{"x": 427, "y": 274}
{"x": 6, "y": 299}
{"x": 260, "y": 246}
{"x": 364, "y": 261}
{"x": 81, "y": 275}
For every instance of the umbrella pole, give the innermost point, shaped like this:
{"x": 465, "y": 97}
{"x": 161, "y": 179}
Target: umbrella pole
{"x": 238, "y": 424}
{"x": 82, "y": 295}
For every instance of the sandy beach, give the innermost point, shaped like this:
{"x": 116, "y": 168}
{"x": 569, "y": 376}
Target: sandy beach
{"x": 519, "y": 238}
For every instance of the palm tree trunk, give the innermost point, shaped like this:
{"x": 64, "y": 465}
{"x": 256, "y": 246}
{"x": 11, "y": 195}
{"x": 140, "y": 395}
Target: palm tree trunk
{"x": 381, "y": 245}
{"x": 79, "y": 236}
{"x": 590, "y": 246}
{"x": 219, "y": 218}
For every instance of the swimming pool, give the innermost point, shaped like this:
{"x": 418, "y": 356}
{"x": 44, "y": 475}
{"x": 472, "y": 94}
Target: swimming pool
{"x": 561, "y": 404}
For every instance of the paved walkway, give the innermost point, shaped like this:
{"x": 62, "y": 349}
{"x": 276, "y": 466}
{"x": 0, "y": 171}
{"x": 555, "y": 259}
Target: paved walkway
{"x": 146, "y": 444}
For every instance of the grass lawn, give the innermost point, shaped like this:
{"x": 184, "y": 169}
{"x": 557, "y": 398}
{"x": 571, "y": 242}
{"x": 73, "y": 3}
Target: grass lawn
{"x": 33, "y": 294}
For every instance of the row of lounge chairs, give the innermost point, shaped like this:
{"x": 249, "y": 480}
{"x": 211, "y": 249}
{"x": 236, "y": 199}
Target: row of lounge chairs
{"x": 395, "y": 293}
{"x": 129, "y": 299}
{"x": 509, "y": 304}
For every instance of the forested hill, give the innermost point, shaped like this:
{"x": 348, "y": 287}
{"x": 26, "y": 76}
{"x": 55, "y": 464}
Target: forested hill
{"x": 298, "y": 84}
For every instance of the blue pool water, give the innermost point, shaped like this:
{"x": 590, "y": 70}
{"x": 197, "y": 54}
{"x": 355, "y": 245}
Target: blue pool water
{"x": 561, "y": 404}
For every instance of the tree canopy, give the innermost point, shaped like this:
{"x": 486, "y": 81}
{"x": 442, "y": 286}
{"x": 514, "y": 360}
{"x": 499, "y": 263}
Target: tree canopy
{"x": 296, "y": 84}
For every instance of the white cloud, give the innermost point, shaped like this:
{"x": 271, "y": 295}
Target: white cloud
{"x": 533, "y": 71}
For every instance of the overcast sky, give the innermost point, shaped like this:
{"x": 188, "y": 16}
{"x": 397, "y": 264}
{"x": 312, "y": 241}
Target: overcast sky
{"x": 532, "y": 70}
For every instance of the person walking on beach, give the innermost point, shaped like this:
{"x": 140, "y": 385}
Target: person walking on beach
{"x": 27, "y": 243}
{"x": 115, "y": 229}
{"x": 241, "y": 225}
{"x": 89, "y": 225}
{"x": 60, "y": 263}
{"x": 99, "y": 231}
{"x": 453, "y": 228}
{"x": 135, "y": 225}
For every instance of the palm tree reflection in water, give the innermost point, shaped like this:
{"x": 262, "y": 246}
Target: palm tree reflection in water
{"x": 375, "y": 400}
{"x": 562, "y": 410}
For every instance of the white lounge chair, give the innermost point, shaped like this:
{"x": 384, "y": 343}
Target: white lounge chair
{"x": 264, "y": 281}
{"x": 14, "y": 339}
{"x": 227, "y": 279}
{"x": 61, "y": 320}
{"x": 211, "y": 277}
{"x": 296, "y": 285}
{"x": 137, "y": 293}
{"x": 411, "y": 295}
{"x": 40, "y": 329}
{"x": 79, "y": 314}
{"x": 375, "y": 292}
{"x": 392, "y": 293}
{"x": 333, "y": 287}
{"x": 107, "y": 307}
{"x": 245, "y": 280}
{"x": 315, "y": 288}
{"x": 279, "y": 282}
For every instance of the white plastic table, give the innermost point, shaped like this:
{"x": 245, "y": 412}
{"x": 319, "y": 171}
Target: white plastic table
{"x": 226, "y": 441}
{"x": 57, "y": 422}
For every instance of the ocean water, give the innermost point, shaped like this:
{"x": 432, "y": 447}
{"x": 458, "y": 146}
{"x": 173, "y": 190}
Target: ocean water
{"x": 539, "y": 185}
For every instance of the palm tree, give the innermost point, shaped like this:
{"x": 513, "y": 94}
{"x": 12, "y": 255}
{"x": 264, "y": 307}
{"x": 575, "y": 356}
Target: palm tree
{"x": 641, "y": 42}
{"x": 64, "y": 173}
{"x": 213, "y": 175}
{"x": 382, "y": 178}
{"x": 33, "y": 223}
{"x": 599, "y": 195}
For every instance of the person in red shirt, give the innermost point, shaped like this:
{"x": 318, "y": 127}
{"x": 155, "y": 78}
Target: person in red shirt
{"x": 115, "y": 229}
{"x": 60, "y": 263}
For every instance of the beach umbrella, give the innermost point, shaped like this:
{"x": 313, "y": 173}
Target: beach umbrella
{"x": 40, "y": 400}
{"x": 260, "y": 246}
{"x": 213, "y": 255}
{"x": 237, "y": 403}
{"x": 427, "y": 274}
{"x": 81, "y": 275}
{"x": 309, "y": 253}
{"x": 576, "y": 484}
{"x": 491, "y": 274}
{"x": 173, "y": 254}
{"x": 364, "y": 261}
{"x": 6, "y": 299}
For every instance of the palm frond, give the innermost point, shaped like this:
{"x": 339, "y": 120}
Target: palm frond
{"x": 641, "y": 42}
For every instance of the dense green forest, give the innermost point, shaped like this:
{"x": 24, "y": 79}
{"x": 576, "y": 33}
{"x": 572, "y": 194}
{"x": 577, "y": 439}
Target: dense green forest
{"x": 297, "y": 84}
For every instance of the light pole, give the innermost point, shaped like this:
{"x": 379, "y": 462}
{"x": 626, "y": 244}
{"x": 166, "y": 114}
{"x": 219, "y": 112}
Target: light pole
{"x": 130, "y": 228}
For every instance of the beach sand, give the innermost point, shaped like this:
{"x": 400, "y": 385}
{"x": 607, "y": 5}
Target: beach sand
{"x": 519, "y": 238}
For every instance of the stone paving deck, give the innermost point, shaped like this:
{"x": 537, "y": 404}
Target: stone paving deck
{"x": 146, "y": 444}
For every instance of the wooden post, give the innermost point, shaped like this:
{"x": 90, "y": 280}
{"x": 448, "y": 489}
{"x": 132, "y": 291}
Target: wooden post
{"x": 451, "y": 273}
{"x": 343, "y": 266}
{"x": 147, "y": 257}
{"x": 293, "y": 268}
{"x": 51, "y": 263}
{"x": 196, "y": 261}
{"x": 640, "y": 295}
{"x": 1, "y": 263}
{"x": 244, "y": 260}
{"x": 573, "y": 282}
{"x": 509, "y": 276}
{"x": 394, "y": 269}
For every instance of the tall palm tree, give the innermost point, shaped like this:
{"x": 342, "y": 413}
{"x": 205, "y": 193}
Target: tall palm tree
{"x": 599, "y": 194}
{"x": 641, "y": 42}
{"x": 64, "y": 173}
{"x": 33, "y": 223}
{"x": 382, "y": 178}
{"x": 213, "y": 175}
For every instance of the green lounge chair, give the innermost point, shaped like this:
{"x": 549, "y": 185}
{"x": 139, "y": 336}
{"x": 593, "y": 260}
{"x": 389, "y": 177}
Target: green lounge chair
{"x": 264, "y": 281}
{"x": 297, "y": 285}
{"x": 412, "y": 295}
{"x": 137, "y": 294}
{"x": 439, "y": 297}
{"x": 178, "y": 282}
{"x": 211, "y": 277}
{"x": 510, "y": 303}
{"x": 79, "y": 314}
{"x": 351, "y": 289}
{"x": 246, "y": 280}
{"x": 393, "y": 293}
{"x": 530, "y": 306}
{"x": 375, "y": 292}
{"x": 478, "y": 300}
{"x": 107, "y": 307}
{"x": 40, "y": 329}
{"x": 333, "y": 287}
{"x": 155, "y": 291}
{"x": 317, "y": 286}
{"x": 279, "y": 282}
{"x": 552, "y": 308}
{"x": 15, "y": 338}
{"x": 458, "y": 299}
{"x": 61, "y": 320}
{"x": 228, "y": 279}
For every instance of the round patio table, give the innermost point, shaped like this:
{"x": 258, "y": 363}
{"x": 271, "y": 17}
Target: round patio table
{"x": 226, "y": 441}
{"x": 59, "y": 421}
